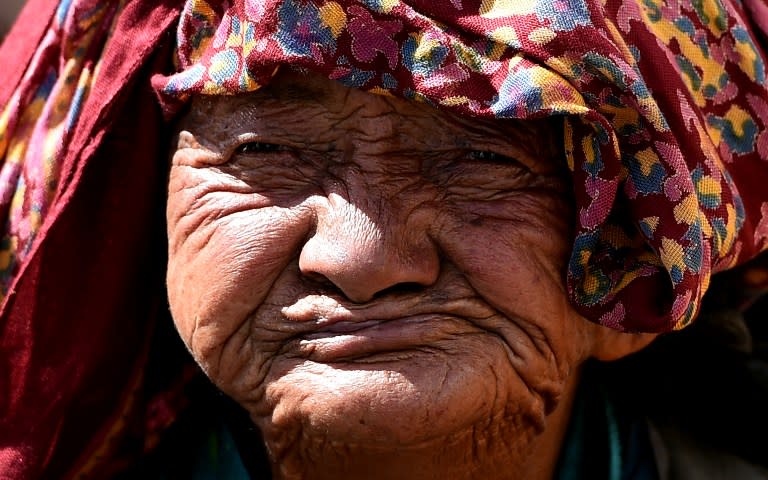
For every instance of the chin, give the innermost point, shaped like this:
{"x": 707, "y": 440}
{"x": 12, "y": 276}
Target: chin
{"x": 421, "y": 417}
{"x": 398, "y": 401}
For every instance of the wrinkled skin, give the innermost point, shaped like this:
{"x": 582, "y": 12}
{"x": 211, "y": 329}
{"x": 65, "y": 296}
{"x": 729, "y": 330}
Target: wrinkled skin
{"x": 378, "y": 283}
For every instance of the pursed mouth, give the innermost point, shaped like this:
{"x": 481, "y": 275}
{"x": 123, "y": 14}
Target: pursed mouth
{"x": 327, "y": 329}
{"x": 345, "y": 327}
{"x": 370, "y": 339}
{"x": 320, "y": 314}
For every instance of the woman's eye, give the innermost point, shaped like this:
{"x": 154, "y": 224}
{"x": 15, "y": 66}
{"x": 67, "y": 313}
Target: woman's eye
{"x": 258, "y": 147}
{"x": 487, "y": 156}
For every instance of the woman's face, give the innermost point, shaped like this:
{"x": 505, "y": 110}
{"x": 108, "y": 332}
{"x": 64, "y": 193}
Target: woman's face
{"x": 362, "y": 273}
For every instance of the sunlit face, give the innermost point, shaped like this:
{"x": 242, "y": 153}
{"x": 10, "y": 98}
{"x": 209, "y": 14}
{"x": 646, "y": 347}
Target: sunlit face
{"x": 364, "y": 274}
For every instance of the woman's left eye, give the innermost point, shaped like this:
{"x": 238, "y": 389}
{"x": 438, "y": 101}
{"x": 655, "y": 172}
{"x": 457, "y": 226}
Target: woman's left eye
{"x": 258, "y": 147}
{"x": 488, "y": 156}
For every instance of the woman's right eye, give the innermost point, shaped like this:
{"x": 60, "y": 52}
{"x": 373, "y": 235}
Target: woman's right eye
{"x": 258, "y": 147}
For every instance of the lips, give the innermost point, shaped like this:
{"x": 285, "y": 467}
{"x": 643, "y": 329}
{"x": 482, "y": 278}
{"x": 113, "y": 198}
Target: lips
{"x": 326, "y": 313}
{"x": 336, "y": 331}
{"x": 381, "y": 340}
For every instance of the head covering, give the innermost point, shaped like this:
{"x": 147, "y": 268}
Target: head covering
{"x": 665, "y": 107}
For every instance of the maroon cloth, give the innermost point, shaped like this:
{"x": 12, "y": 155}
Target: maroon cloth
{"x": 74, "y": 330}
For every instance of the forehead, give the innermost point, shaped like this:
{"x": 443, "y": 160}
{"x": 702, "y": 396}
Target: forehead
{"x": 304, "y": 104}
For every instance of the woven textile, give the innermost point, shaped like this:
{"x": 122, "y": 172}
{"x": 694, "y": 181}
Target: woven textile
{"x": 86, "y": 292}
{"x": 37, "y": 122}
{"x": 665, "y": 108}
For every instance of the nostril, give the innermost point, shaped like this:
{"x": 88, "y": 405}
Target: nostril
{"x": 400, "y": 289}
{"x": 315, "y": 277}
{"x": 324, "y": 285}
{"x": 343, "y": 256}
{"x": 318, "y": 280}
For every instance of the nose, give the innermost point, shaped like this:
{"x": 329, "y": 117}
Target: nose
{"x": 364, "y": 255}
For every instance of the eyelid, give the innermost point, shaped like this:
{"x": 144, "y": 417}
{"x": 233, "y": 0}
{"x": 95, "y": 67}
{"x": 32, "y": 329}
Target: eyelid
{"x": 492, "y": 156}
{"x": 258, "y": 147}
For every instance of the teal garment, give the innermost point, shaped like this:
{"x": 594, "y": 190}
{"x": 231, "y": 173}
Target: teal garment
{"x": 605, "y": 441}
{"x": 208, "y": 452}
{"x": 213, "y": 439}
{"x": 217, "y": 457}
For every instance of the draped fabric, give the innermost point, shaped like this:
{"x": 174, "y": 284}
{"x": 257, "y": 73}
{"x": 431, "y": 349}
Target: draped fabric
{"x": 665, "y": 106}
{"x": 37, "y": 122}
{"x": 82, "y": 193}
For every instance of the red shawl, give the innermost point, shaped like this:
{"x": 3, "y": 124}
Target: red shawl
{"x": 75, "y": 326}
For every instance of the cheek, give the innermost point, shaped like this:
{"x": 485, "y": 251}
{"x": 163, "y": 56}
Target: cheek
{"x": 523, "y": 240}
{"x": 514, "y": 254}
{"x": 225, "y": 251}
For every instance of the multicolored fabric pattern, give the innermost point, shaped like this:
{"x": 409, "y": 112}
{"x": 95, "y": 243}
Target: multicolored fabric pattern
{"x": 665, "y": 107}
{"x": 37, "y": 122}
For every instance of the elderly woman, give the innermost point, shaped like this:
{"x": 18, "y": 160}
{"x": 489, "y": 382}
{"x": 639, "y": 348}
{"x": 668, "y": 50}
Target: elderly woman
{"x": 398, "y": 235}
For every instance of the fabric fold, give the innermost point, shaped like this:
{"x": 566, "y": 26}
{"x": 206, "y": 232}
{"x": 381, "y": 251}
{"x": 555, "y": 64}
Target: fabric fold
{"x": 82, "y": 307}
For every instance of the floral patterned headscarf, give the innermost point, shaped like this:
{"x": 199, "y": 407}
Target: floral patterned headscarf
{"x": 665, "y": 108}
